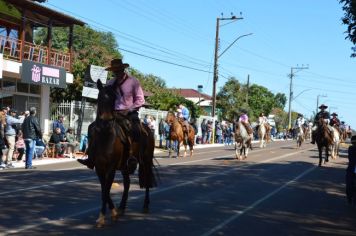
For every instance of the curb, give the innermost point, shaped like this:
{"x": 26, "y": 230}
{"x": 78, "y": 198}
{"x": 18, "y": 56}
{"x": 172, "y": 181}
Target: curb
{"x": 47, "y": 161}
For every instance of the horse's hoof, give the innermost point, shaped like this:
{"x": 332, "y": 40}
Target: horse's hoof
{"x": 114, "y": 215}
{"x": 100, "y": 222}
{"x": 145, "y": 210}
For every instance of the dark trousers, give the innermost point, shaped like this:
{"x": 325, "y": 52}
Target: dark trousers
{"x": 21, "y": 151}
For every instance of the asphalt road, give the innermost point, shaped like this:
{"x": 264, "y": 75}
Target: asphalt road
{"x": 278, "y": 190}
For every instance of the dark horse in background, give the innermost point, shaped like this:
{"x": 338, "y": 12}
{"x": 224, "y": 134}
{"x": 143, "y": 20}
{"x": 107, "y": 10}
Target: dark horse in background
{"x": 176, "y": 133}
{"x": 324, "y": 140}
{"x": 108, "y": 142}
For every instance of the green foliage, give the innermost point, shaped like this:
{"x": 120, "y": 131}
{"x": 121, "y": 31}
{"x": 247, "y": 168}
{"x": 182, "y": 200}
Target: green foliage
{"x": 230, "y": 99}
{"x": 90, "y": 47}
{"x": 349, "y": 19}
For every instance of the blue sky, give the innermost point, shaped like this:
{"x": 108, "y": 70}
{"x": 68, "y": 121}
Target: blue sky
{"x": 285, "y": 34}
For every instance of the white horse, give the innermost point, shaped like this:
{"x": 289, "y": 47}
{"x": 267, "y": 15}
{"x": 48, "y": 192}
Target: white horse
{"x": 242, "y": 141}
{"x": 336, "y": 145}
{"x": 262, "y": 135}
{"x": 300, "y": 135}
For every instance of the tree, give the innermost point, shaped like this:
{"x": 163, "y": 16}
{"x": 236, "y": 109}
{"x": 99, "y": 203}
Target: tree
{"x": 280, "y": 100}
{"x": 230, "y": 99}
{"x": 90, "y": 47}
{"x": 349, "y": 19}
{"x": 260, "y": 100}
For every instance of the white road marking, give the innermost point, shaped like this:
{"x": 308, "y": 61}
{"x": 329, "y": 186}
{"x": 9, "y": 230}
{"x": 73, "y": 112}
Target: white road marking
{"x": 154, "y": 192}
{"x": 256, "y": 203}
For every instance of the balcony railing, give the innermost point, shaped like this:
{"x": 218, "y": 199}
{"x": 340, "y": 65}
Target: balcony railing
{"x": 11, "y": 49}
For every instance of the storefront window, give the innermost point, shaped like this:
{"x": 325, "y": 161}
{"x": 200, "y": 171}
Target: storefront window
{"x": 35, "y": 89}
{"x": 9, "y": 85}
{"x": 22, "y": 88}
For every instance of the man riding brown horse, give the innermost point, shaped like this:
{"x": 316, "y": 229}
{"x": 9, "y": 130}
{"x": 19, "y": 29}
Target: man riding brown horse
{"x": 129, "y": 98}
{"x": 321, "y": 114}
{"x": 183, "y": 116}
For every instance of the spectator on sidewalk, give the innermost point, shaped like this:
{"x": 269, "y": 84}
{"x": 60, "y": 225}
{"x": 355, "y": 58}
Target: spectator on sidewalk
{"x": 59, "y": 141}
{"x": 59, "y": 124}
{"x": 71, "y": 142}
{"x": 161, "y": 132}
{"x": 40, "y": 147}
{"x": 10, "y": 135}
{"x": 153, "y": 127}
{"x": 31, "y": 131}
{"x": 209, "y": 131}
{"x": 2, "y": 136}
{"x": 203, "y": 127}
{"x": 20, "y": 145}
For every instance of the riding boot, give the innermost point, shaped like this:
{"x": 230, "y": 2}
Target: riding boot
{"x": 89, "y": 162}
{"x": 132, "y": 160}
{"x": 313, "y": 138}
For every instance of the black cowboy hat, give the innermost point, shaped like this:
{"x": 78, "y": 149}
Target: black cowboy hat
{"x": 13, "y": 110}
{"x": 323, "y": 106}
{"x": 334, "y": 114}
{"x": 116, "y": 64}
{"x": 300, "y": 114}
{"x": 353, "y": 139}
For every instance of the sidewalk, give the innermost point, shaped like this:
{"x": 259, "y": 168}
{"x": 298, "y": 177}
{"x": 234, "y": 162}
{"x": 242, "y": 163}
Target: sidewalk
{"x": 47, "y": 161}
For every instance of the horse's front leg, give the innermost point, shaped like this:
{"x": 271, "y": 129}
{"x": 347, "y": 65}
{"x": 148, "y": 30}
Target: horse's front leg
{"x": 185, "y": 150}
{"x": 178, "y": 147}
{"x": 320, "y": 149}
{"x": 125, "y": 194}
{"x": 146, "y": 202}
{"x": 170, "y": 148}
{"x": 100, "y": 222}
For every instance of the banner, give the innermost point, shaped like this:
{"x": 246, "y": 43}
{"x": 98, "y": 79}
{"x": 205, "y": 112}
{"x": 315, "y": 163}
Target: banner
{"x": 92, "y": 75}
{"x": 42, "y": 74}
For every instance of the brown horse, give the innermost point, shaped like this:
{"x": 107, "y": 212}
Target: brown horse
{"x": 176, "y": 133}
{"x": 109, "y": 142}
{"x": 324, "y": 139}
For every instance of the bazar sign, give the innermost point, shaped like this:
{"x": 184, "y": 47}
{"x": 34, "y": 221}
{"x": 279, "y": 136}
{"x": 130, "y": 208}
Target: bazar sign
{"x": 41, "y": 74}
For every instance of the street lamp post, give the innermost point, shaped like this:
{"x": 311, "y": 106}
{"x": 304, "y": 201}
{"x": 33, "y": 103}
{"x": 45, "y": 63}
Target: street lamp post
{"x": 298, "y": 68}
{"x": 216, "y": 57}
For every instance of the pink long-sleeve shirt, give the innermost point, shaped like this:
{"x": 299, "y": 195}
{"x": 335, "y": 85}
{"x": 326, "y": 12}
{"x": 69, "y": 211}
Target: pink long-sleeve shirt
{"x": 132, "y": 94}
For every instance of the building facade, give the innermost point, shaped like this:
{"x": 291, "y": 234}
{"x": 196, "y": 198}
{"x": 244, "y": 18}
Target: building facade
{"x": 28, "y": 69}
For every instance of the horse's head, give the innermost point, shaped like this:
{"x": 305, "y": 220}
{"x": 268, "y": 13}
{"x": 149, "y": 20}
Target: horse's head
{"x": 170, "y": 118}
{"x": 106, "y": 101}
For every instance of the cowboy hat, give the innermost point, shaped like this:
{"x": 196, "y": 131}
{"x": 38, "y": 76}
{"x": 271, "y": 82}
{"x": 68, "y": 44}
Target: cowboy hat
{"x": 353, "y": 139}
{"x": 334, "y": 114}
{"x": 323, "y": 106}
{"x": 116, "y": 64}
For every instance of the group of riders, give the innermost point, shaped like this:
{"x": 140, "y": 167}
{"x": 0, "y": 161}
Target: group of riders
{"x": 130, "y": 98}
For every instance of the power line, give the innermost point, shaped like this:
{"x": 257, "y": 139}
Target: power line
{"x": 167, "y": 62}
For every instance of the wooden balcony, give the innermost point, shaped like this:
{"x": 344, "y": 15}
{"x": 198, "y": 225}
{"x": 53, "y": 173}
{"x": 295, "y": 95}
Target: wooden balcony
{"x": 12, "y": 48}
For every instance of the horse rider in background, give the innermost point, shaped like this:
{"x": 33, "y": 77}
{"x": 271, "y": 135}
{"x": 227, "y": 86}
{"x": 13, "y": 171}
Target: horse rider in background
{"x": 244, "y": 120}
{"x": 300, "y": 121}
{"x": 262, "y": 120}
{"x": 183, "y": 113}
{"x": 321, "y": 114}
{"x": 129, "y": 99}
{"x": 334, "y": 120}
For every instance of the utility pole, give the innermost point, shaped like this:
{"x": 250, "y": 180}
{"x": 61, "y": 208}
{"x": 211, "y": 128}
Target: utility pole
{"x": 298, "y": 68}
{"x": 247, "y": 88}
{"x": 216, "y": 56}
